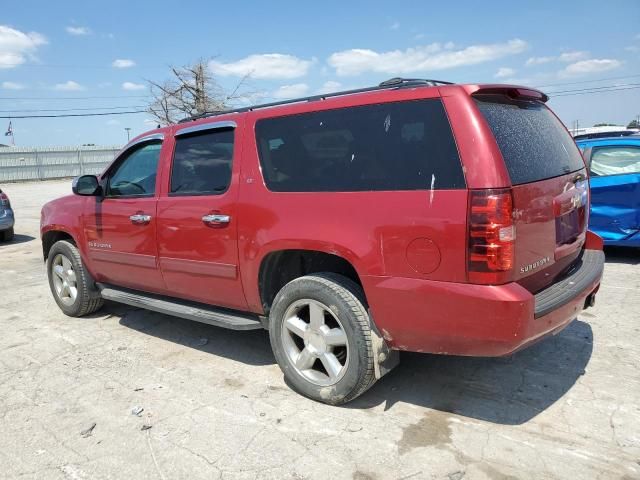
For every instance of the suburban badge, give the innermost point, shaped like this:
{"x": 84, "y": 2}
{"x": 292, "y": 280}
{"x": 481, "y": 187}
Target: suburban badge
{"x": 534, "y": 265}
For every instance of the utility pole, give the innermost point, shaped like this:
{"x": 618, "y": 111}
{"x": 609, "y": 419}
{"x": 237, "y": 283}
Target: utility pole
{"x": 201, "y": 106}
{"x": 128, "y": 129}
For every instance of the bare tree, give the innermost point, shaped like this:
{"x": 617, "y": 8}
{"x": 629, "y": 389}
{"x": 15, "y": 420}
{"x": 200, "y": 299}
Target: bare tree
{"x": 192, "y": 90}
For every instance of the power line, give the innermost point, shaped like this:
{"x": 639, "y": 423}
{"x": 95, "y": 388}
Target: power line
{"x": 73, "y": 115}
{"x": 74, "y": 98}
{"x": 604, "y": 87}
{"x": 587, "y": 81}
{"x": 18, "y": 111}
{"x": 592, "y": 92}
{"x": 52, "y": 65}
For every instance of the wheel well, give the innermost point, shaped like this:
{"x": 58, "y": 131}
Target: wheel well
{"x": 51, "y": 237}
{"x": 279, "y": 268}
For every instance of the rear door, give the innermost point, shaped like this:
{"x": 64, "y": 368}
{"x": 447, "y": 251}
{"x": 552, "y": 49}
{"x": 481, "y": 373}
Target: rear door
{"x": 549, "y": 185}
{"x": 197, "y": 221}
{"x": 615, "y": 192}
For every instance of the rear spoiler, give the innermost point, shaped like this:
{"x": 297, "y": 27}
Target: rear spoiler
{"x": 513, "y": 91}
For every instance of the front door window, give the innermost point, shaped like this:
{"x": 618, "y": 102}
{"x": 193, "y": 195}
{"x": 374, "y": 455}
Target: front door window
{"x": 135, "y": 174}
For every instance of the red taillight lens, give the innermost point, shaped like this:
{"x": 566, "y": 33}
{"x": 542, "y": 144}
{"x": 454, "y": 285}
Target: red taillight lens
{"x": 4, "y": 200}
{"x": 492, "y": 233}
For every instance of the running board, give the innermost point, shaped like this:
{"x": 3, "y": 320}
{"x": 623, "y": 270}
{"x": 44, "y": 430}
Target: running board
{"x": 219, "y": 317}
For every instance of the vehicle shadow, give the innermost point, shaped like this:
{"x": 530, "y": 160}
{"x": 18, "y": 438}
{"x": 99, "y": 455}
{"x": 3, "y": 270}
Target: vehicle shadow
{"x": 251, "y": 347}
{"x": 510, "y": 390}
{"x": 18, "y": 238}
{"x": 628, "y": 255}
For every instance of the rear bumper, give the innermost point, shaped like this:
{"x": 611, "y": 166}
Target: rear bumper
{"x": 478, "y": 320}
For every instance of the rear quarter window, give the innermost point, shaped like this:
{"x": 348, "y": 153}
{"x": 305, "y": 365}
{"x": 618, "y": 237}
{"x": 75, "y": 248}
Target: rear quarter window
{"x": 535, "y": 145}
{"x": 391, "y": 146}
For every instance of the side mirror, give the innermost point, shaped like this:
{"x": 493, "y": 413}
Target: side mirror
{"x": 86, "y": 185}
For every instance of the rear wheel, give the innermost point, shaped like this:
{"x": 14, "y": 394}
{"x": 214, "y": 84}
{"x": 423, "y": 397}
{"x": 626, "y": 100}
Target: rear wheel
{"x": 7, "y": 235}
{"x": 70, "y": 283}
{"x": 321, "y": 337}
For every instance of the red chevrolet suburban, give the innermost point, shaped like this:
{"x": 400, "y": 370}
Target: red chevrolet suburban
{"x": 416, "y": 215}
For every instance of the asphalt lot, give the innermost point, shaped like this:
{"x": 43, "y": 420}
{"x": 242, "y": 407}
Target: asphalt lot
{"x": 567, "y": 408}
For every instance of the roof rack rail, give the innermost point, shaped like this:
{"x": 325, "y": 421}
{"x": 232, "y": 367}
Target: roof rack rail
{"x": 392, "y": 83}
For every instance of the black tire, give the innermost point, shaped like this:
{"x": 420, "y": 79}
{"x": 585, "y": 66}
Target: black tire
{"x": 346, "y": 302}
{"x": 7, "y": 235}
{"x": 88, "y": 299}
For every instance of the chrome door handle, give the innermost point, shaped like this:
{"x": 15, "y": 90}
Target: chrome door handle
{"x": 215, "y": 219}
{"x": 140, "y": 219}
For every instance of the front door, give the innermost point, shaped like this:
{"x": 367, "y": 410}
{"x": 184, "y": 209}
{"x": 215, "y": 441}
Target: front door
{"x": 197, "y": 223}
{"x": 615, "y": 192}
{"x": 120, "y": 227}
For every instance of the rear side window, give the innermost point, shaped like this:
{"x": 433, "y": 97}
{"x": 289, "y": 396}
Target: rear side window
{"x": 391, "y": 146}
{"x": 615, "y": 160}
{"x": 202, "y": 163}
{"x": 534, "y": 143}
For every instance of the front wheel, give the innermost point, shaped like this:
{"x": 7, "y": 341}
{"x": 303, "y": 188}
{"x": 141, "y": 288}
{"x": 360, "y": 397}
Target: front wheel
{"x": 321, "y": 337}
{"x": 70, "y": 283}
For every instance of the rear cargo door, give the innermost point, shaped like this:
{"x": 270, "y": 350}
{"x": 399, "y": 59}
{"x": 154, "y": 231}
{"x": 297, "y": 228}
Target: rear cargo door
{"x": 615, "y": 192}
{"x": 550, "y": 191}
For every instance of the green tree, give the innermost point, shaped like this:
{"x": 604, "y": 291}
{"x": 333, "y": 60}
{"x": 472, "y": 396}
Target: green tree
{"x": 634, "y": 124}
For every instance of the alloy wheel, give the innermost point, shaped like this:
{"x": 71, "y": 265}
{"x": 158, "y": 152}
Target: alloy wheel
{"x": 315, "y": 342}
{"x": 64, "y": 279}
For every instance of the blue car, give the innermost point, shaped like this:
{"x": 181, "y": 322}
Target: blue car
{"x": 6, "y": 218}
{"x": 614, "y": 164}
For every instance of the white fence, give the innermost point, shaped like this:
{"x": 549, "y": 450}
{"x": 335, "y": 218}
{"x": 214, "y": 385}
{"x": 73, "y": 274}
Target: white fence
{"x": 19, "y": 164}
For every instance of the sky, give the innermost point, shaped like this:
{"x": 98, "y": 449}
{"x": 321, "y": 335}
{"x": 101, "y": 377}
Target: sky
{"x": 69, "y": 57}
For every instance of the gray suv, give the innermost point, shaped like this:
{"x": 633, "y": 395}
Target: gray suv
{"x": 6, "y": 218}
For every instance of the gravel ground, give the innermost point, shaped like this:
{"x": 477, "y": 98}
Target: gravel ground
{"x": 217, "y": 405}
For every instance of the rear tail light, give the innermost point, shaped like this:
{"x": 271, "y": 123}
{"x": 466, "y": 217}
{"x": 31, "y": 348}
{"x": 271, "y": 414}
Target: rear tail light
{"x": 492, "y": 235}
{"x": 4, "y": 200}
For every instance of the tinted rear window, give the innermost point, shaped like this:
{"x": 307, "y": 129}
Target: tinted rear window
{"x": 534, "y": 143}
{"x": 202, "y": 163}
{"x": 391, "y": 146}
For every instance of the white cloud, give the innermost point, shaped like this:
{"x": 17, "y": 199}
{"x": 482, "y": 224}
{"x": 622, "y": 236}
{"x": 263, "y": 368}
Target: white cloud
{"x": 291, "y": 91}
{"x": 395, "y": 26}
{"x": 264, "y": 66}
{"x": 504, "y": 72}
{"x": 123, "y": 63}
{"x": 112, "y": 122}
{"x": 632, "y": 49}
{"x": 419, "y": 36}
{"x": 585, "y": 67}
{"x": 13, "y": 86}
{"x": 68, "y": 86}
{"x": 420, "y": 59}
{"x": 566, "y": 57}
{"x": 133, "y": 86}
{"x": 79, "y": 31}
{"x": 17, "y": 46}
{"x": 538, "y": 60}
{"x": 329, "y": 86}
{"x": 569, "y": 57}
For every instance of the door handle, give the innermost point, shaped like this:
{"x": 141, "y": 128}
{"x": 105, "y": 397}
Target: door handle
{"x": 216, "y": 219}
{"x": 140, "y": 219}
